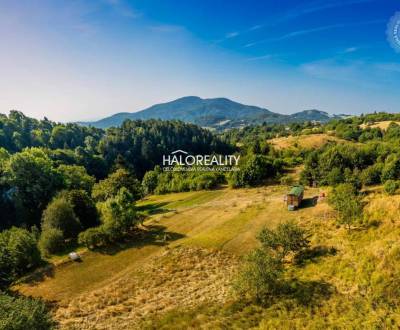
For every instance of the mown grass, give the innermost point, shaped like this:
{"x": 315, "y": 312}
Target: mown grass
{"x": 362, "y": 274}
{"x": 360, "y": 268}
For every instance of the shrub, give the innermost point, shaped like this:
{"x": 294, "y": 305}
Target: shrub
{"x": 260, "y": 276}
{"x": 372, "y": 174}
{"x": 21, "y": 313}
{"x": 51, "y": 241}
{"x": 346, "y": 200}
{"x": 93, "y": 238}
{"x": 391, "y": 187}
{"x": 287, "y": 237}
{"x": 60, "y": 214}
{"x": 18, "y": 254}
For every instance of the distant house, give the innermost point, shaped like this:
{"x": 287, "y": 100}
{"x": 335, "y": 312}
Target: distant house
{"x": 294, "y": 197}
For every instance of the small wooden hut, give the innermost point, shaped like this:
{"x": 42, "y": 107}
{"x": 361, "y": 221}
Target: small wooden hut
{"x": 294, "y": 197}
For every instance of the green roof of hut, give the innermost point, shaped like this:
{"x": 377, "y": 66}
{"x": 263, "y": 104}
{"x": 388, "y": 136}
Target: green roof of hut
{"x": 296, "y": 190}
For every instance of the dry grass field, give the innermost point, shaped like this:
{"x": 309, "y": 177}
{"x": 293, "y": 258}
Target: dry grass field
{"x": 179, "y": 274}
{"x": 381, "y": 124}
{"x": 311, "y": 141}
{"x": 194, "y": 235}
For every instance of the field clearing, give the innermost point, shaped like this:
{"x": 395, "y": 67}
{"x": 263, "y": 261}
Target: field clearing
{"x": 222, "y": 220}
{"x": 304, "y": 141}
{"x": 383, "y": 125}
{"x": 181, "y": 274}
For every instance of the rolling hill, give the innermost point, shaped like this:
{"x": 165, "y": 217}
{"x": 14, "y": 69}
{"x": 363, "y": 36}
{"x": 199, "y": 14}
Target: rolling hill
{"x": 217, "y": 113}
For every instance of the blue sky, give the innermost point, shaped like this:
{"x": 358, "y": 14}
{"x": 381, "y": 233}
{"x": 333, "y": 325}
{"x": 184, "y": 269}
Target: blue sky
{"x": 86, "y": 59}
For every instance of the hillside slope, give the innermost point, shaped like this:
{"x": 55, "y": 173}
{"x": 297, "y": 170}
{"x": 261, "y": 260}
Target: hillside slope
{"x": 181, "y": 276}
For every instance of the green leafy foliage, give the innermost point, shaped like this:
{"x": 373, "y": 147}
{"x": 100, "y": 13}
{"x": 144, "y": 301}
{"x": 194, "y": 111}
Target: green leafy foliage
{"x": 109, "y": 187}
{"x": 21, "y": 313}
{"x": 286, "y": 238}
{"x": 60, "y": 214}
{"x": 34, "y": 182}
{"x": 260, "y": 277}
{"x": 391, "y": 187}
{"x": 18, "y": 254}
{"x": 51, "y": 241}
{"x": 253, "y": 170}
{"x": 76, "y": 177}
{"x": 346, "y": 200}
{"x": 118, "y": 218}
{"x": 83, "y": 207}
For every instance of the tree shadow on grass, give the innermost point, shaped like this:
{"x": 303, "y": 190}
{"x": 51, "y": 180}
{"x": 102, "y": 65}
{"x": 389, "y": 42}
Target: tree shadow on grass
{"x": 148, "y": 235}
{"x": 313, "y": 254}
{"x": 38, "y": 275}
{"x": 309, "y": 293}
{"x": 153, "y": 208}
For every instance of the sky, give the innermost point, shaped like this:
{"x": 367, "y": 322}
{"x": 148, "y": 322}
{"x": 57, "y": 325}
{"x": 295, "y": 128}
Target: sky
{"x": 86, "y": 59}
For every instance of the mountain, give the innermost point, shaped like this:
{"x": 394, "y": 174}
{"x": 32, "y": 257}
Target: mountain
{"x": 311, "y": 115}
{"x": 218, "y": 113}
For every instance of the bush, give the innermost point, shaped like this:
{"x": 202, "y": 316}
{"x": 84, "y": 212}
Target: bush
{"x": 60, "y": 214}
{"x": 51, "y": 241}
{"x": 21, "y": 313}
{"x": 18, "y": 254}
{"x": 346, "y": 200}
{"x": 391, "y": 187}
{"x": 372, "y": 174}
{"x": 260, "y": 277}
{"x": 93, "y": 238}
{"x": 287, "y": 237}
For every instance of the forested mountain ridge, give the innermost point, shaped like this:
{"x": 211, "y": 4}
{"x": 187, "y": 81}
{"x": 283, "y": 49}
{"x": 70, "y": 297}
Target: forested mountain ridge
{"x": 218, "y": 113}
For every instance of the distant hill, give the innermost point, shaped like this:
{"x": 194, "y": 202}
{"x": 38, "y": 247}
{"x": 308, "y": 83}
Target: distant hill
{"x": 218, "y": 113}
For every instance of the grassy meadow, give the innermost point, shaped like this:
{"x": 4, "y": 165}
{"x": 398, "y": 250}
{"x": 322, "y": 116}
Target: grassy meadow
{"x": 178, "y": 274}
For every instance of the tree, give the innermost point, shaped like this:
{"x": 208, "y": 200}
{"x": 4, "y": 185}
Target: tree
{"x": 260, "y": 276}
{"x": 150, "y": 182}
{"x": 346, "y": 200}
{"x": 109, "y": 187}
{"x": 34, "y": 180}
{"x": 60, "y": 214}
{"x": 252, "y": 171}
{"x": 76, "y": 177}
{"x": 51, "y": 241}
{"x": 83, "y": 207}
{"x": 286, "y": 238}
{"x": 118, "y": 216}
